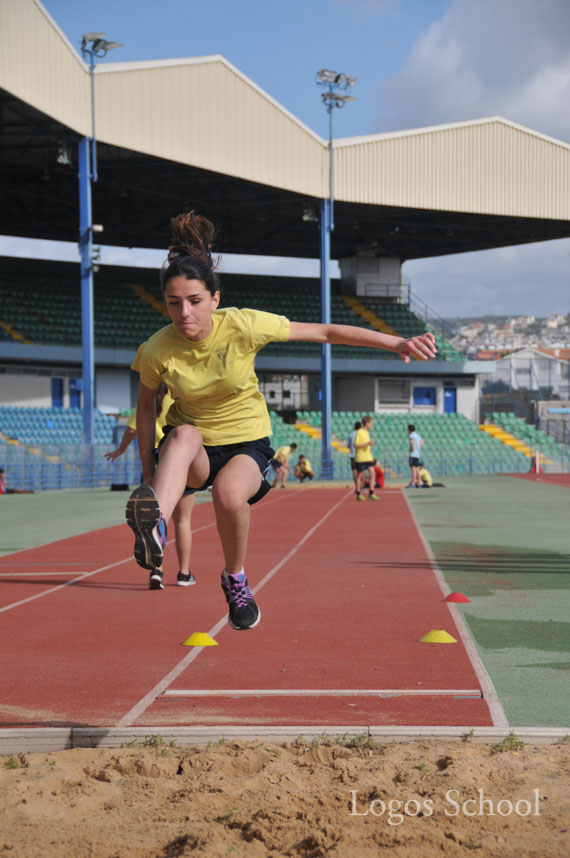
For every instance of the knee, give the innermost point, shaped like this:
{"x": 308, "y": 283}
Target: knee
{"x": 184, "y": 437}
{"x": 229, "y": 497}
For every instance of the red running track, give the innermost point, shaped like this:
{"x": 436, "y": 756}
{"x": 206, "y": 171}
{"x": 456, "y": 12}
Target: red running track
{"x": 551, "y": 479}
{"x": 346, "y": 590}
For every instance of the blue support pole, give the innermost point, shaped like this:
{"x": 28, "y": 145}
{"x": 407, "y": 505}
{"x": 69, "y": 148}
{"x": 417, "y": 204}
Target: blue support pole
{"x": 327, "y": 471}
{"x": 85, "y": 249}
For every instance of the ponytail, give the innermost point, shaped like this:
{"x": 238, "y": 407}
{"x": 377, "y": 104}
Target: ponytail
{"x": 190, "y": 254}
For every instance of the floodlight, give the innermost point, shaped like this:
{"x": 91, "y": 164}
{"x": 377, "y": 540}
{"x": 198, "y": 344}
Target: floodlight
{"x": 92, "y": 37}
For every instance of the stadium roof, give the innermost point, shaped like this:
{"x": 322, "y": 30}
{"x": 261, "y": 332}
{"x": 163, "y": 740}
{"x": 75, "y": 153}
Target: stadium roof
{"x": 197, "y": 133}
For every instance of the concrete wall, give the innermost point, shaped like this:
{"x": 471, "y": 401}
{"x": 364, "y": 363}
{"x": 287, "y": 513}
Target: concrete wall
{"x": 25, "y": 391}
{"x": 112, "y": 390}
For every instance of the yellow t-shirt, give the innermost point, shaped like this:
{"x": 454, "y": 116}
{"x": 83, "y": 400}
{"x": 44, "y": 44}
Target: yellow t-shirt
{"x": 160, "y": 420}
{"x": 212, "y": 381}
{"x": 306, "y": 467}
{"x": 283, "y": 452}
{"x": 363, "y": 454}
{"x": 426, "y": 476}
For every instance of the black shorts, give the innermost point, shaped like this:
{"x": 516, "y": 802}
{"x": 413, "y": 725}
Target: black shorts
{"x": 363, "y": 466}
{"x": 260, "y": 451}
{"x": 414, "y": 461}
{"x": 352, "y": 463}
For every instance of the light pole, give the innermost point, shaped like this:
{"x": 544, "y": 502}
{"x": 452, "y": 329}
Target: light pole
{"x": 335, "y": 83}
{"x": 93, "y": 45}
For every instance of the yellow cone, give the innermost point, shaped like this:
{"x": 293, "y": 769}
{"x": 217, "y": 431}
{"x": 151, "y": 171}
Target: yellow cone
{"x": 199, "y": 639}
{"x": 437, "y": 636}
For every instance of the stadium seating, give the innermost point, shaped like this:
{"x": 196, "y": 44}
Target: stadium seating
{"x": 52, "y": 427}
{"x": 453, "y": 444}
{"x": 50, "y": 313}
{"x": 536, "y": 439}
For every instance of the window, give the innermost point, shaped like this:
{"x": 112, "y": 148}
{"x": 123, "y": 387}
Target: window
{"x": 424, "y": 396}
{"x": 393, "y": 390}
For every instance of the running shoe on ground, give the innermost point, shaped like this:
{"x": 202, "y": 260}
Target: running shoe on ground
{"x": 244, "y": 613}
{"x": 360, "y": 497}
{"x": 185, "y": 580}
{"x": 148, "y": 525}
{"x": 155, "y": 581}
{"x": 373, "y": 496}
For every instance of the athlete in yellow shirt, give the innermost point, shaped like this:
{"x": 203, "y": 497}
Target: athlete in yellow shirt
{"x": 217, "y": 429}
{"x": 364, "y": 460}
{"x": 304, "y": 469}
{"x": 281, "y": 465}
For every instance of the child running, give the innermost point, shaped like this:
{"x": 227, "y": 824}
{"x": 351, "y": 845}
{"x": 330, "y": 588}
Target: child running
{"x": 217, "y": 431}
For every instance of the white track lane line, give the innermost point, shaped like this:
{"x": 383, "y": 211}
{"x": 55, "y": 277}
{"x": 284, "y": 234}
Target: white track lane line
{"x": 94, "y": 572}
{"x": 39, "y": 574}
{"x": 489, "y": 692}
{"x": 139, "y": 708}
{"x": 322, "y": 692}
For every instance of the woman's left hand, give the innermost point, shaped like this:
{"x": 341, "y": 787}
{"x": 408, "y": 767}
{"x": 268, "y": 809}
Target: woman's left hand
{"x": 422, "y": 347}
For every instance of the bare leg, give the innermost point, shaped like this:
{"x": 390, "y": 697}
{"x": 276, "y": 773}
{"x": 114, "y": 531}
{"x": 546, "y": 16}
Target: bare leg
{"x": 356, "y": 478}
{"x": 183, "y": 461}
{"x": 371, "y": 480}
{"x": 235, "y": 484}
{"x": 181, "y": 518}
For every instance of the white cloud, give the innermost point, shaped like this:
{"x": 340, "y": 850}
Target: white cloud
{"x": 490, "y": 57}
{"x": 532, "y": 279}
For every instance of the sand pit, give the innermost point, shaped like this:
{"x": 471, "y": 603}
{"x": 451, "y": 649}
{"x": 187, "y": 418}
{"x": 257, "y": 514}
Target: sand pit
{"x": 350, "y": 800}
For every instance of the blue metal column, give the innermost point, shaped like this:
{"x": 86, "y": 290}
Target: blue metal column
{"x": 85, "y": 248}
{"x": 326, "y": 384}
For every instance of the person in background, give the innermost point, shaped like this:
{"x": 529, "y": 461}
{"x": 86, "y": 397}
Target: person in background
{"x": 281, "y": 464}
{"x": 218, "y": 429}
{"x": 364, "y": 459}
{"x": 350, "y": 445}
{"x": 182, "y": 515}
{"x": 4, "y": 490}
{"x": 304, "y": 469}
{"x": 379, "y": 478}
{"x": 416, "y": 442}
{"x": 425, "y": 477}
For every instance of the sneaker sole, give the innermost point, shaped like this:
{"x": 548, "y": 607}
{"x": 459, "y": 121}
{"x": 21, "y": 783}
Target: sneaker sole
{"x": 247, "y": 628}
{"x": 186, "y": 583}
{"x": 156, "y": 585}
{"x": 143, "y": 514}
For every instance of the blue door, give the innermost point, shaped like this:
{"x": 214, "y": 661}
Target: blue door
{"x": 57, "y": 392}
{"x": 449, "y": 400}
{"x": 75, "y": 386}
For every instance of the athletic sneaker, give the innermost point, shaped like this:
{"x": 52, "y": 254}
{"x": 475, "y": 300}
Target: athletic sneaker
{"x": 155, "y": 581}
{"x": 185, "y": 580}
{"x": 373, "y": 496}
{"x": 147, "y": 523}
{"x": 361, "y": 497}
{"x": 244, "y": 613}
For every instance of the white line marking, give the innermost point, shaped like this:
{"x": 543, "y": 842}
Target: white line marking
{"x": 323, "y": 692}
{"x": 83, "y": 575}
{"x": 489, "y": 692}
{"x": 135, "y": 713}
{"x": 36, "y": 574}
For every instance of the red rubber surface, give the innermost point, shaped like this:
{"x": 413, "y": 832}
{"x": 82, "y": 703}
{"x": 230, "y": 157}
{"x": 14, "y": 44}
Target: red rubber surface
{"x": 346, "y": 611}
{"x": 553, "y": 479}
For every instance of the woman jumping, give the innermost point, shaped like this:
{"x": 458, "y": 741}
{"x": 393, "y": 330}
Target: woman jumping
{"x": 218, "y": 429}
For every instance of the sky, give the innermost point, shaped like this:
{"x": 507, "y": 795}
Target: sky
{"x": 418, "y": 62}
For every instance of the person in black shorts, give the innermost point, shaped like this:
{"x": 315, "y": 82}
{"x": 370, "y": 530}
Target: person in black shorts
{"x": 218, "y": 428}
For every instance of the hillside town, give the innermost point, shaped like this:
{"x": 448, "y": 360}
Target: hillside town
{"x": 491, "y": 337}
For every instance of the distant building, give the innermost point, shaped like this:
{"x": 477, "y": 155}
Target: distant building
{"x": 534, "y": 369}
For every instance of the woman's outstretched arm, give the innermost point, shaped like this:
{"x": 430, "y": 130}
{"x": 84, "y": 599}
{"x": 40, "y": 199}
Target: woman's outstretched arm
{"x": 421, "y": 347}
